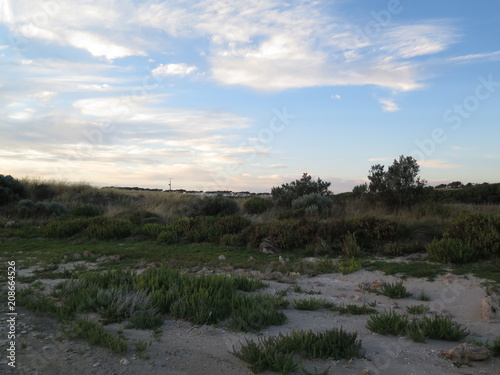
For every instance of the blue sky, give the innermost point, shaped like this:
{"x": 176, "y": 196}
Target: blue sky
{"x": 220, "y": 94}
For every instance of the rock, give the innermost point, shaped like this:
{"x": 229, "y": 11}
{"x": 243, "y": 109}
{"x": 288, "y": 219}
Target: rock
{"x": 97, "y": 364}
{"x": 467, "y": 352}
{"x": 310, "y": 260}
{"x": 356, "y": 298}
{"x": 9, "y": 224}
{"x": 77, "y": 256}
{"x": 124, "y": 362}
{"x": 222, "y": 258}
{"x": 87, "y": 254}
{"x": 490, "y": 308}
{"x": 268, "y": 247}
{"x": 205, "y": 271}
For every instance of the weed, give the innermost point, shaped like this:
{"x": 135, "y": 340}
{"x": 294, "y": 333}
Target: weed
{"x": 417, "y": 309}
{"x": 388, "y": 323}
{"x": 423, "y": 296}
{"x": 309, "y": 304}
{"x": 350, "y": 246}
{"x": 140, "y": 349}
{"x": 297, "y": 289}
{"x": 167, "y": 237}
{"x": 95, "y": 334}
{"x": 495, "y": 347}
{"x": 413, "y": 269}
{"x": 349, "y": 265}
{"x": 395, "y": 290}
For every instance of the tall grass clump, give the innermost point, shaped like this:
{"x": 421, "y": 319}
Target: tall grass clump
{"x": 452, "y": 250}
{"x": 395, "y": 290}
{"x": 350, "y": 246}
{"x": 277, "y": 353}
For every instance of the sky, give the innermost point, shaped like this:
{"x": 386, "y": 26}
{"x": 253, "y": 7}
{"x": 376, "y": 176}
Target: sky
{"x": 247, "y": 95}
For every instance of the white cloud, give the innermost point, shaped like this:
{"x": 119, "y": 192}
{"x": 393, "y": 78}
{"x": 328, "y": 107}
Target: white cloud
{"x": 45, "y": 96}
{"x": 471, "y": 58}
{"x": 379, "y": 159}
{"x": 336, "y": 97}
{"x": 174, "y": 70}
{"x": 388, "y": 105}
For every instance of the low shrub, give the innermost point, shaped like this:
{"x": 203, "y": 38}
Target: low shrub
{"x": 86, "y": 211}
{"x": 310, "y": 304}
{"x": 312, "y": 203}
{"x": 28, "y": 209}
{"x": 349, "y": 265}
{"x": 257, "y": 205}
{"x": 482, "y": 232}
{"x": 452, "y": 250}
{"x": 104, "y": 228}
{"x": 371, "y": 230}
{"x": 41, "y": 192}
{"x": 67, "y": 227}
{"x": 293, "y": 234}
{"x": 212, "y": 206}
{"x": 167, "y": 237}
{"x": 388, "y": 323}
{"x": 151, "y": 230}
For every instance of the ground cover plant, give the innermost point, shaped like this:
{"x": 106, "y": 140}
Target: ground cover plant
{"x": 277, "y": 353}
{"x": 419, "y": 329}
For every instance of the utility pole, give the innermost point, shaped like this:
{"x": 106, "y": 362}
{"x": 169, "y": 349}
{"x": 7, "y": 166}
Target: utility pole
{"x": 170, "y": 185}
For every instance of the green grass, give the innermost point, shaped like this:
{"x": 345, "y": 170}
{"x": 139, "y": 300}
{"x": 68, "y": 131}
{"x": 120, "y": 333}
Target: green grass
{"x": 278, "y": 353}
{"x": 419, "y": 270}
{"x": 423, "y": 296}
{"x": 355, "y": 309}
{"x": 95, "y": 334}
{"x": 489, "y": 270}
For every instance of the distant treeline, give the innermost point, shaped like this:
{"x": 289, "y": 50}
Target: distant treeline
{"x": 183, "y": 191}
{"x": 477, "y": 194}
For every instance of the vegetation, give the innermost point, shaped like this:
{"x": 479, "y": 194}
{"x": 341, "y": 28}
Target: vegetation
{"x": 289, "y": 192}
{"x": 276, "y": 353}
{"x": 11, "y": 190}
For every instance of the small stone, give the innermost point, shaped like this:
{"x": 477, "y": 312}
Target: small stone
{"x": 124, "y": 362}
{"x": 222, "y": 258}
{"x": 9, "y": 224}
{"x": 97, "y": 364}
{"x": 77, "y": 256}
{"x": 46, "y": 347}
{"x": 87, "y": 254}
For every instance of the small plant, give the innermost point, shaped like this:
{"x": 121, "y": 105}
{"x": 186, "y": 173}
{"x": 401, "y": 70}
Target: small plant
{"x": 297, "y": 289}
{"x": 417, "y": 309}
{"x": 105, "y": 228}
{"x": 310, "y": 304}
{"x": 349, "y": 265}
{"x": 350, "y": 246}
{"x": 151, "y": 229}
{"x": 96, "y": 335}
{"x": 495, "y": 347}
{"x": 86, "y": 211}
{"x": 140, "y": 349}
{"x": 388, "y": 323}
{"x": 167, "y": 237}
{"x": 396, "y": 290}
{"x": 423, "y": 296}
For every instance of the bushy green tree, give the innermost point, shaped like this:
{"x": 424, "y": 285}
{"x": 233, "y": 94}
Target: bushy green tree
{"x": 400, "y": 185}
{"x": 287, "y": 193}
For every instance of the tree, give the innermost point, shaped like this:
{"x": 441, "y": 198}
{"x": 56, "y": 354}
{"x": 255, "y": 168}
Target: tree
{"x": 400, "y": 185}
{"x": 11, "y": 190}
{"x": 287, "y": 193}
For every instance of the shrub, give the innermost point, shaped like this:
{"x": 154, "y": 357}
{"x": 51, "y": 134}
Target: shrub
{"x": 313, "y": 202}
{"x": 62, "y": 228}
{"x": 481, "y": 231}
{"x": 213, "y": 206}
{"x": 167, "y": 237}
{"x": 97, "y": 335}
{"x": 11, "y": 190}
{"x": 151, "y": 229}
{"x": 181, "y": 226}
{"x": 349, "y": 265}
{"x": 293, "y": 234}
{"x": 257, "y": 205}
{"x": 396, "y": 290}
{"x": 287, "y": 193}
{"x": 451, "y": 250}
{"x": 388, "y": 323}
{"x": 86, "y": 211}
{"x": 369, "y": 229}
{"x": 105, "y": 228}
{"x": 43, "y": 192}
{"x": 310, "y": 304}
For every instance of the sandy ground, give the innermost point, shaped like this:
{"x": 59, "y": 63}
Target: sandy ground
{"x": 42, "y": 348}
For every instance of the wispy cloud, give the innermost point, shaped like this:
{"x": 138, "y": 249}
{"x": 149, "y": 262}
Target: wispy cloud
{"x": 437, "y": 164}
{"x": 388, "y": 105}
{"x": 477, "y": 57}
